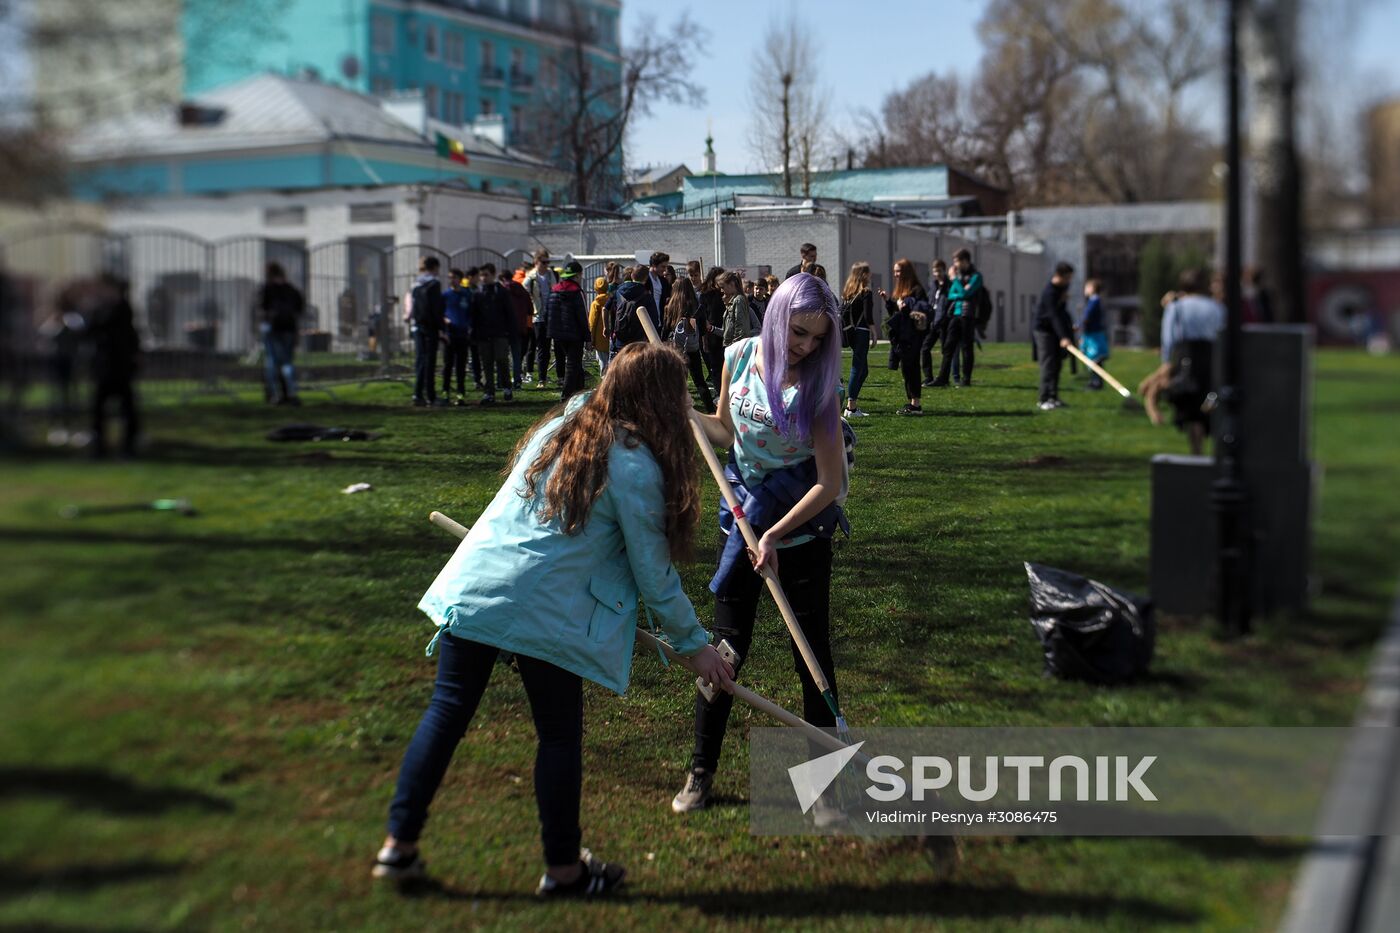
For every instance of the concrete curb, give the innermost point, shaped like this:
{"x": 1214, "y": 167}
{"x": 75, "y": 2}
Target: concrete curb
{"x": 1349, "y": 884}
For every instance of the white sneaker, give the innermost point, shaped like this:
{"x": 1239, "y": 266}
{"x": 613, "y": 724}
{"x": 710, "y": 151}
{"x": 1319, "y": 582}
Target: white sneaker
{"x": 856, "y": 413}
{"x": 392, "y": 865}
{"x": 1046, "y": 406}
{"x": 696, "y": 793}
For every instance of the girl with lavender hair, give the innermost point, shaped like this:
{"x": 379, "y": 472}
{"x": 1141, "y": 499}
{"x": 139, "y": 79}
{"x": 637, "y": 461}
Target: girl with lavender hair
{"x": 779, "y": 413}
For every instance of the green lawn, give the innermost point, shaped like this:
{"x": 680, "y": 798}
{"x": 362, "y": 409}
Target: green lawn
{"x": 201, "y": 718}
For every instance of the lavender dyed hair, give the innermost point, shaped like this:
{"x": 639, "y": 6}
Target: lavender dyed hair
{"x": 817, "y": 375}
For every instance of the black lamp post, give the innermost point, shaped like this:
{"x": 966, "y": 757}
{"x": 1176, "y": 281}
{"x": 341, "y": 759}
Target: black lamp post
{"x": 1228, "y": 494}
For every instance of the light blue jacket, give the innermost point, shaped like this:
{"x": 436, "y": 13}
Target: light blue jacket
{"x": 525, "y": 586}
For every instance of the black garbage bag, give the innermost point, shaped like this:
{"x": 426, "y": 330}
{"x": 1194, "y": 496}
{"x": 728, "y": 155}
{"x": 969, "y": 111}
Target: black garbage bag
{"x": 315, "y": 432}
{"x": 1090, "y": 631}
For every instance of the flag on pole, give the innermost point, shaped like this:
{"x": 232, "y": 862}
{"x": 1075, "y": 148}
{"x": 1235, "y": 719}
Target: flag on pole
{"x": 451, "y": 149}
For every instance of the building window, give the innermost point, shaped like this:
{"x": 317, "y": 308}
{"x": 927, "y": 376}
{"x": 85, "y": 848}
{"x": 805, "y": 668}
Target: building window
{"x": 452, "y": 107}
{"x": 430, "y": 98}
{"x": 382, "y": 33}
{"x": 517, "y": 59}
{"x": 488, "y": 107}
{"x": 550, "y": 71}
{"x": 517, "y": 123}
{"x": 381, "y": 85}
{"x": 454, "y": 48}
{"x": 376, "y": 212}
{"x": 488, "y": 54}
{"x": 485, "y": 185}
{"x": 284, "y": 216}
{"x": 430, "y": 41}
{"x": 534, "y": 195}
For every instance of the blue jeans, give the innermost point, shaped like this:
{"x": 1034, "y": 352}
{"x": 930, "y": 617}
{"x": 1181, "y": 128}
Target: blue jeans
{"x": 556, "y": 703}
{"x": 860, "y": 364}
{"x": 278, "y": 350}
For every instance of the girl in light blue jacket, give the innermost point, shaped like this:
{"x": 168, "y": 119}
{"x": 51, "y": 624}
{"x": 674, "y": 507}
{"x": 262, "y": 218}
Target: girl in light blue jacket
{"x": 598, "y": 504}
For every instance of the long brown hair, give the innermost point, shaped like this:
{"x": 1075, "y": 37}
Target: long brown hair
{"x": 641, "y": 400}
{"x": 858, "y": 281}
{"x": 711, "y": 281}
{"x": 682, "y": 304}
{"x": 905, "y": 279}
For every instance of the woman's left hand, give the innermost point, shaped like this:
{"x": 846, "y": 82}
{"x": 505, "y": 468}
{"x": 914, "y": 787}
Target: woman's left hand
{"x": 767, "y": 556}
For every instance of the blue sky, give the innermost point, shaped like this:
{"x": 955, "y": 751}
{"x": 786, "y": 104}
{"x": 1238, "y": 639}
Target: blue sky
{"x": 870, "y": 47}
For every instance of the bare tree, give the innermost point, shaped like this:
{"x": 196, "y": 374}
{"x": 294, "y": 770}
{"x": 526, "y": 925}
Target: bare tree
{"x": 580, "y": 118}
{"x": 789, "y": 122}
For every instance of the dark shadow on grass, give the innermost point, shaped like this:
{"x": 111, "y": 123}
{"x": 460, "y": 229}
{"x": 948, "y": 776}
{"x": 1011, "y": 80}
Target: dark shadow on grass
{"x": 903, "y": 899}
{"x": 96, "y": 789}
{"x": 17, "y": 880}
{"x": 1243, "y": 847}
{"x": 379, "y": 544}
{"x": 42, "y": 927}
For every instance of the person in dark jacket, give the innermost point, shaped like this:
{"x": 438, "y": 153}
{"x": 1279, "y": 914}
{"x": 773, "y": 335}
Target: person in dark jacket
{"x": 566, "y": 315}
{"x": 524, "y": 310}
{"x": 857, "y": 313}
{"x": 964, "y": 294}
{"x": 425, "y": 313}
{"x": 808, "y": 252}
{"x": 282, "y": 306}
{"x": 712, "y": 325}
{"x": 634, "y": 290}
{"x": 1093, "y": 330}
{"x": 1053, "y": 331}
{"x": 116, "y": 346}
{"x": 908, "y": 325}
{"x": 938, "y": 283}
{"x": 493, "y": 320}
{"x": 456, "y": 335}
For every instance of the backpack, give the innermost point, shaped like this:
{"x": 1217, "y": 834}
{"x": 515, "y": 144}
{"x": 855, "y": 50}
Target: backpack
{"x": 426, "y": 296}
{"x": 686, "y": 337}
{"x": 983, "y": 313}
{"x": 626, "y": 327}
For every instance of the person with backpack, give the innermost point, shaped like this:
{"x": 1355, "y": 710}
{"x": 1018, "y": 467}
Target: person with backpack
{"x": 457, "y": 334}
{"x": 966, "y": 297}
{"x": 602, "y": 501}
{"x": 567, "y": 323}
{"x": 779, "y": 414}
{"x": 1053, "y": 333}
{"x": 493, "y": 319}
{"x": 624, "y": 328}
{"x": 522, "y": 320}
{"x": 681, "y": 318}
{"x": 597, "y": 323}
{"x": 282, "y": 305}
{"x": 425, "y": 312}
{"x": 857, "y": 312}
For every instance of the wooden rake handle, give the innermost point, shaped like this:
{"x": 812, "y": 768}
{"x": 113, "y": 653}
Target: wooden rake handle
{"x": 774, "y": 586}
{"x": 1099, "y": 370}
{"x": 760, "y": 703}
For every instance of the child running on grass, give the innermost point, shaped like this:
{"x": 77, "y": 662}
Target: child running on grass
{"x": 599, "y": 502}
{"x": 779, "y": 412}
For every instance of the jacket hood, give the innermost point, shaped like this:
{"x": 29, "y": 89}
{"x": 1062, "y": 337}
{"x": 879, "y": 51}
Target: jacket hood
{"x": 630, "y": 290}
{"x": 424, "y": 277}
{"x": 599, "y": 284}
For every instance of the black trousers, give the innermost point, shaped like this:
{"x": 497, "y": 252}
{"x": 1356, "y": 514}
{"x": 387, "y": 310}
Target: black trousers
{"x": 697, "y": 376}
{"x": 909, "y": 369}
{"x": 119, "y": 386}
{"x": 1047, "y": 348}
{"x": 454, "y": 359}
{"x": 556, "y": 704}
{"x": 425, "y": 348}
{"x": 544, "y": 344}
{"x": 495, "y": 358}
{"x": 961, "y": 337}
{"x": 805, "y": 572}
{"x": 570, "y": 352}
{"x": 926, "y": 353}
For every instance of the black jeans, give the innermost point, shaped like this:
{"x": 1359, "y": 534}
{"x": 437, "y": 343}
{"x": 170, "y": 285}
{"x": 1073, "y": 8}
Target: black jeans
{"x": 570, "y": 352}
{"x": 697, "y": 376}
{"x": 805, "y": 572}
{"x": 118, "y": 385}
{"x": 961, "y": 337}
{"x": 543, "y": 345}
{"x": 909, "y": 369}
{"x": 926, "y": 353}
{"x": 556, "y": 703}
{"x": 860, "y": 361}
{"x": 454, "y": 358}
{"x": 1047, "y": 348}
{"x": 495, "y": 358}
{"x": 425, "y": 348}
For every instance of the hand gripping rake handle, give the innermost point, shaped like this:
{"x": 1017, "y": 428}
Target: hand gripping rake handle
{"x": 1099, "y": 371}
{"x": 774, "y": 586}
{"x": 760, "y": 703}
